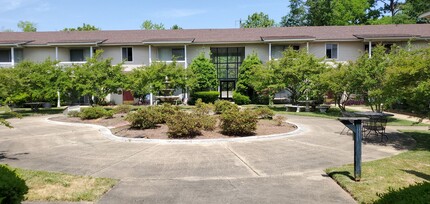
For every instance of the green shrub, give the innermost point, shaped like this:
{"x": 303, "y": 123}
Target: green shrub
{"x": 240, "y": 123}
{"x": 122, "y": 109}
{"x": 12, "y": 187}
{"x": 206, "y": 122}
{"x": 166, "y": 110}
{"x": 203, "y": 108}
{"x": 147, "y": 117}
{"x": 264, "y": 112}
{"x": 222, "y": 105}
{"x": 206, "y": 96}
{"x": 183, "y": 125}
{"x": 417, "y": 193}
{"x": 240, "y": 99}
{"x": 74, "y": 114}
{"x": 94, "y": 113}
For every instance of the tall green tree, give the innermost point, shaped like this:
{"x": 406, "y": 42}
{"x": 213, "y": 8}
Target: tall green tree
{"x": 337, "y": 12}
{"x": 258, "y": 20}
{"x": 245, "y": 83}
{"x": 27, "y": 26}
{"x": 203, "y": 76}
{"x": 97, "y": 77}
{"x": 297, "y": 15}
{"x": 85, "y": 27}
{"x": 175, "y": 27}
{"x": 149, "y": 25}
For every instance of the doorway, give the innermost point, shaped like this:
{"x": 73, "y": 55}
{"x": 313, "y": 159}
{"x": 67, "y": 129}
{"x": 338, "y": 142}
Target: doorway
{"x": 226, "y": 89}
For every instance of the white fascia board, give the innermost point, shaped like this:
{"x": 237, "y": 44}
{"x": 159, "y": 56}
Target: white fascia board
{"x": 291, "y": 40}
{"x": 167, "y": 42}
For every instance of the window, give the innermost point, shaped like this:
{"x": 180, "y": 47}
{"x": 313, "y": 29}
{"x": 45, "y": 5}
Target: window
{"x": 388, "y": 47}
{"x": 178, "y": 53}
{"x": 227, "y": 61}
{"x": 5, "y": 55}
{"x": 77, "y": 55}
{"x": 277, "y": 50}
{"x": 331, "y": 51}
{"x": 127, "y": 54}
{"x": 169, "y": 54}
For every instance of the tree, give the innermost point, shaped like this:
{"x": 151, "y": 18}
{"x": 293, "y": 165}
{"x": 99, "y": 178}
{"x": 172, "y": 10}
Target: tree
{"x": 27, "y": 26}
{"x": 150, "y": 79}
{"x": 175, "y": 27}
{"x": 85, "y": 27}
{"x": 148, "y": 25}
{"x": 203, "y": 76}
{"x": 390, "y": 6}
{"x": 297, "y": 15}
{"x": 337, "y": 12}
{"x": 258, "y": 20}
{"x": 245, "y": 83}
{"x": 97, "y": 77}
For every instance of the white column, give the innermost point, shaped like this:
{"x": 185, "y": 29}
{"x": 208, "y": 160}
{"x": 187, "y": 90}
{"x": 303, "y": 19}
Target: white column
{"x": 56, "y": 53}
{"x": 150, "y": 59}
{"x": 58, "y": 99}
{"x": 12, "y": 56}
{"x": 270, "y": 51}
{"x": 91, "y": 52}
{"x": 185, "y": 53}
{"x": 370, "y": 49}
{"x": 307, "y": 47}
{"x": 151, "y": 99}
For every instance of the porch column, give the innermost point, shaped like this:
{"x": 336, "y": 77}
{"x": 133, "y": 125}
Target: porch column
{"x": 56, "y": 53}
{"x": 185, "y": 53}
{"x": 270, "y": 51}
{"x": 12, "y": 56}
{"x": 307, "y": 47}
{"x": 91, "y": 52}
{"x": 150, "y": 57}
{"x": 151, "y": 99}
{"x": 58, "y": 99}
{"x": 370, "y": 49}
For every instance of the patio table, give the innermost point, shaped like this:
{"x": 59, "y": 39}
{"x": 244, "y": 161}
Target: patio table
{"x": 376, "y": 123}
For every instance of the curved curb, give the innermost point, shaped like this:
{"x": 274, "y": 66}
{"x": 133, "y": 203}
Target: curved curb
{"x": 108, "y": 134}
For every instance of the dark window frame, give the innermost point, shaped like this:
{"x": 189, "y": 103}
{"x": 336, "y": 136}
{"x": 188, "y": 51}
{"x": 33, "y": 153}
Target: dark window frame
{"x": 329, "y": 47}
{"x": 75, "y": 51}
{"x": 127, "y": 54}
{"x": 227, "y": 61}
{"x": 8, "y": 55}
{"x": 180, "y": 57}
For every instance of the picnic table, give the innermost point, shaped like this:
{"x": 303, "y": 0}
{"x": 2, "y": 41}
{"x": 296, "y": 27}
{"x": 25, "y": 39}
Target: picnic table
{"x": 35, "y": 105}
{"x": 376, "y": 124}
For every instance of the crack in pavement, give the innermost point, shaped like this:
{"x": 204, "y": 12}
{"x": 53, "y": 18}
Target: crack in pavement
{"x": 243, "y": 161}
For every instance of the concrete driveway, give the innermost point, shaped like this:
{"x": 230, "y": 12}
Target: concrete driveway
{"x": 281, "y": 170}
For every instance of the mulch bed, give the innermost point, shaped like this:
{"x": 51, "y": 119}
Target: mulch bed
{"x": 120, "y": 127}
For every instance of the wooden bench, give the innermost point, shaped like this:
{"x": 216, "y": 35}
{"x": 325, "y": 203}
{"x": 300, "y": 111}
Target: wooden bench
{"x": 297, "y": 107}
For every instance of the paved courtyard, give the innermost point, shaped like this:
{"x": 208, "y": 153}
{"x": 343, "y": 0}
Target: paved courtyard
{"x": 281, "y": 170}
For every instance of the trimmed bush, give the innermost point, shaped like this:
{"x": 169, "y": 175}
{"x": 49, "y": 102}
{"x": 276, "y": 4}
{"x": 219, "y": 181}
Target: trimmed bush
{"x": 122, "y": 109}
{"x": 166, "y": 110}
{"x": 203, "y": 108}
{"x": 73, "y": 114}
{"x": 206, "y": 96}
{"x": 183, "y": 125}
{"x": 264, "y": 112}
{"x": 279, "y": 119}
{"x": 222, "y": 105}
{"x": 12, "y": 187}
{"x": 240, "y": 99}
{"x": 240, "y": 123}
{"x": 144, "y": 118}
{"x": 94, "y": 113}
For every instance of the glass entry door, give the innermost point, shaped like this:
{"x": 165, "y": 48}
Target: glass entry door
{"x": 226, "y": 89}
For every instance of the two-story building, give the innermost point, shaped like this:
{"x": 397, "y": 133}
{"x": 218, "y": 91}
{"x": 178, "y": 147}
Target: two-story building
{"x": 228, "y": 47}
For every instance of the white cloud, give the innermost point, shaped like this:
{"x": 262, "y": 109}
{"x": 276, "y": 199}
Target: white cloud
{"x": 178, "y": 13}
{"x": 9, "y": 5}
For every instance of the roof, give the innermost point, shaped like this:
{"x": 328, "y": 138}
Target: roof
{"x": 214, "y": 36}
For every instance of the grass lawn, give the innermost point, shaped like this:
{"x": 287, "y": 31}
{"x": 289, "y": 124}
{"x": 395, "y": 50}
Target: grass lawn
{"x": 24, "y": 112}
{"x": 388, "y": 180}
{"x": 51, "y": 186}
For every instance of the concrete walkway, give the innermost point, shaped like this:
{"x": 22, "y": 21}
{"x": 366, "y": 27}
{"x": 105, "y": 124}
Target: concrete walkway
{"x": 286, "y": 170}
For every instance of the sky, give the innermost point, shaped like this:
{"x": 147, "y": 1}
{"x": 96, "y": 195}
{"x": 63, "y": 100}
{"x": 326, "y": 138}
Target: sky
{"x": 54, "y": 15}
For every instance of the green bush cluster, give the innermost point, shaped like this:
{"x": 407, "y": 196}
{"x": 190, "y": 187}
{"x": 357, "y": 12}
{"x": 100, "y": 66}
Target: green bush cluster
{"x": 122, "y": 109}
{"x": 74, "y": 114}
{"x": 206, "y": 96}
{"x": 240, "y": 123}
{"x": 240, "y": 99}
{"x": 183, "y": 125}
{"x": 222, "y": 106}
{"x": 94, "y": 113}
{"x": 279, "y": 119}
{"x": 144, "y": 118}
{"x": 203, "y": 108}
{"x": 264, "y": 112}
{"x": 12, "y": 187}
{"x": 166, "y": 110}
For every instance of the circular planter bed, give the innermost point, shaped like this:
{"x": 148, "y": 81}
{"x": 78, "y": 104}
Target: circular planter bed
{"x": 120, "y": 127}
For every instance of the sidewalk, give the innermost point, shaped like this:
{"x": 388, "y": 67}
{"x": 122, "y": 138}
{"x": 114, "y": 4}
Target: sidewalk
{"x": 396, "y": 115}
